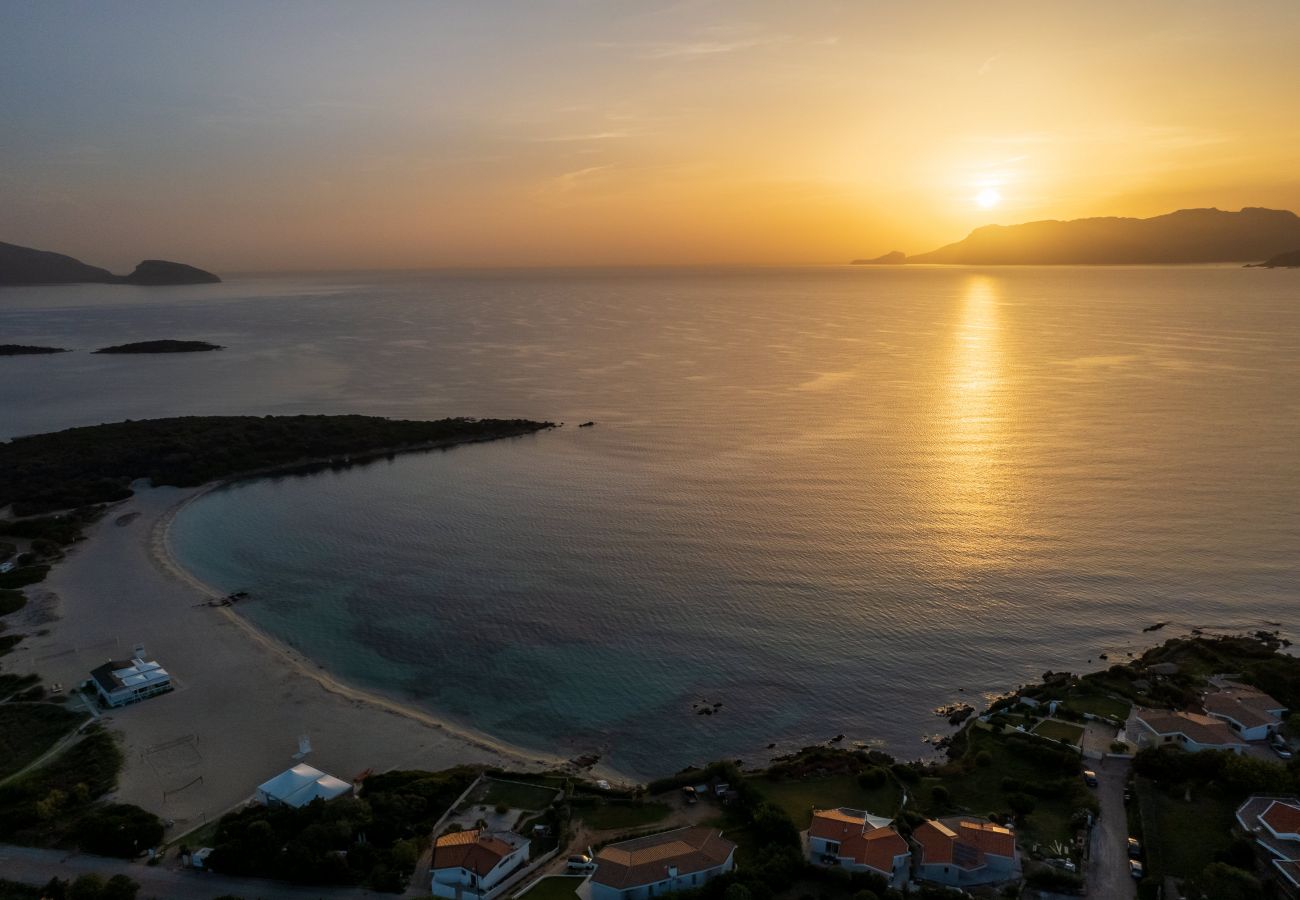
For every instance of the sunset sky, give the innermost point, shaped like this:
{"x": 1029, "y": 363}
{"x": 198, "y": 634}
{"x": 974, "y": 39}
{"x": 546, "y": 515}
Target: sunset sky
{"x": 261, "y": 136}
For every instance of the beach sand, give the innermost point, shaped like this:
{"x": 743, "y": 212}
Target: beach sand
{"x": 241, "y": 700}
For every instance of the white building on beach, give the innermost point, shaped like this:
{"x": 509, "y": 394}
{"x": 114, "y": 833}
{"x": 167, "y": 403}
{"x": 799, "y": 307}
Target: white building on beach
{"x": 299, "y": 786}
{"x": 119, "y": 682}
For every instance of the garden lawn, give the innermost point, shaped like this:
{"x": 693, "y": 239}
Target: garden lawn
{"x": 514, "y": 794}
{"x": 605, "y": 815}
{"x": 799, "y": 797}
{"x": 1181, "y": 838}
{"x": 555, "y": 887}
{"x": 1084, "y": 698}
{"x": 27, "y": 730}
{"x": 979, "y": 792}
{"x": 1057, "y": 730}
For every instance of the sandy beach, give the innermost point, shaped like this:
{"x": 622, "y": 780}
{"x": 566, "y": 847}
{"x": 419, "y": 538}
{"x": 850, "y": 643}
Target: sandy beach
{"x": 241, "y": 700}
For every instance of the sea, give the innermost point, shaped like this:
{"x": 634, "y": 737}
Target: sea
{"x": 815, "y": 503}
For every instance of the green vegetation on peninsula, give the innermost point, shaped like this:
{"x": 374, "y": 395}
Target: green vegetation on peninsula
{"x": 96, "y": 464}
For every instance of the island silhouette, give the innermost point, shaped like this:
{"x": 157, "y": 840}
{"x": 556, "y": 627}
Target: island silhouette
{"x": 1184, "y": 236}
{"x": 27, "y": 265}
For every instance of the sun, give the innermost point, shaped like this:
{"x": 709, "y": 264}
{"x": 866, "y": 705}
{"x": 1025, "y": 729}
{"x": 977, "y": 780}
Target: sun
{"x": 988, "y": 198}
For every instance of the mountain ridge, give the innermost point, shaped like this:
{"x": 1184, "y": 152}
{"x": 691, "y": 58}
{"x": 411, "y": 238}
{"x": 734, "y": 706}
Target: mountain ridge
{"x": 1205, "y": 235}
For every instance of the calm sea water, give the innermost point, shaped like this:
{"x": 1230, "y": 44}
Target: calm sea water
{"x": 828, "y": 499}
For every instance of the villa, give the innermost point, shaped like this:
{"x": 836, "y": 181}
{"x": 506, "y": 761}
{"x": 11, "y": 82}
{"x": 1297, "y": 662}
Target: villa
{"x": 1248, "y": 711}
{"x": 1191, "y": 731}
{"x": 120, "y": 682}
{"x": 659, "y": 864}
{"x": 959, "y": 852}
{"x": 860, "y": 842}
{"x": 299, "y": 786}
{"x": 1274, "y": 823}
{"x": 476, "y": 863}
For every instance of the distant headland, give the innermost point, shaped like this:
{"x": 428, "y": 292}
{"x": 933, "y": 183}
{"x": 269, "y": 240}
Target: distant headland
{"x": 28, "y": 350}
{"x": 26, "y": 265}
{"x": 1184, "y": 236}
{"x": 1281, "y": 261}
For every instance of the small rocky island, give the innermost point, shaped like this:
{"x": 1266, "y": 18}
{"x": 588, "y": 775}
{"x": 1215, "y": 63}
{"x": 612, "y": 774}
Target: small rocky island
{"x": 27, "y": 265}
{"x": 27, "y": 350}
{"x": 167, "y": 346}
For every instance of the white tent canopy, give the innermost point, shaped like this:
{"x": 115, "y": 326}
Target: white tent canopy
{"x": 301, "y": 785}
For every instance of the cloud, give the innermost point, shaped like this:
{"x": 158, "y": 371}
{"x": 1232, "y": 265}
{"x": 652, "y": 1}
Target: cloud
{"x": 590, "y": 136}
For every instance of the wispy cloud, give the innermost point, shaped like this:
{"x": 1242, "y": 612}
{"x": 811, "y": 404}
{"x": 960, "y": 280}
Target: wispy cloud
{"x": 588, "y": 136}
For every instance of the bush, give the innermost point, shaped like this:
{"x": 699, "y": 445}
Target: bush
{"x": 119, "y": 829}
{"x": 872, "y": 778}
{"x": 984, "y": 759}
{"x": 939, "y": 796}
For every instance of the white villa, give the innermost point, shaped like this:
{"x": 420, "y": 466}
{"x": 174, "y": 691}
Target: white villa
{"x": 1274, "y": 824}
{"x": 958, "y": 852}
{"x": 677, "y": 860}
{"x": 1191, "y": 731}
{"x": 471, "y": 864}
{"x": 299, "y": 786}
{"x": 859, "y": 842}
{"x": 119, "y": 682}
{"x": 1248, "y": 711}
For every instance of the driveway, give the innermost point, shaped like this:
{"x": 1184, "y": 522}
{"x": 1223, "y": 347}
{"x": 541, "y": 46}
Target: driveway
{"x": 1108, "y": 877}
{"x": 164, "y": 881}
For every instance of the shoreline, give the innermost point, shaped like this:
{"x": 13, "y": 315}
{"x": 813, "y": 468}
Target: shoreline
{"x": 241, "y": 697}
{"x": 167, "y": 562}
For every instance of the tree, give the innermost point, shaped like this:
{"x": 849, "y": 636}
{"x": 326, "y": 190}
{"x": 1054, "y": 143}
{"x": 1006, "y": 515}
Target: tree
{"x": 1220, "y": 881}
{"x": 119, "y": 887}
{"x": 737, "y": 892}
{"x": 86, "y": 887}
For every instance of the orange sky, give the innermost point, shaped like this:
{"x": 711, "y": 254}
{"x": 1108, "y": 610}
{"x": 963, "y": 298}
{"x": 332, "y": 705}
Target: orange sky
{"x": 292, "y": 136}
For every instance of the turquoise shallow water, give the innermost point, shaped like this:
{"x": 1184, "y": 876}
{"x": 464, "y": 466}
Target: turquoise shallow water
{"x": 828, "y": 499}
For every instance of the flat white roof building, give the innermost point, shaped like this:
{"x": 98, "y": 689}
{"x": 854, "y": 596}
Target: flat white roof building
{"x": 120, "y": 682}
{"x": 301, "y": 785}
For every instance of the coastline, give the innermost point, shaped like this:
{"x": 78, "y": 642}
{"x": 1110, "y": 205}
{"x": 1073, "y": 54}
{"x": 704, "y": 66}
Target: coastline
{"x": 242, "y": 698}
{"x": 163, "y": 557}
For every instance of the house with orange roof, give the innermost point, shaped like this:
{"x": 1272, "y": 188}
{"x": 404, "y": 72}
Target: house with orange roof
{"x": 658, "y": 864}
{"x": 471, "y": 864}
{"x": 1248, "y": 711}
{"x": 859, "y": 842}
{"x": 1191, "y": 731}
{"x": 1274, "y": 824}
{"x": 960, "y": 852}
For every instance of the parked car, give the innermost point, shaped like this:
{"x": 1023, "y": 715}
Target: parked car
{"x": 1280, "y": 747}
{"x": 1089, "y": 777}
{"x": 581, "y": 862}
{"x": 1134, "y": 848}
{"x": 1128, "y": 796}
{"x": 692, "y": 797}
{"x": 1135, "y": 869}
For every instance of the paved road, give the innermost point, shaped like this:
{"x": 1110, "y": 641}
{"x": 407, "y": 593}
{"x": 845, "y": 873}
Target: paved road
{"x": 164, "y": 882}
{"x": 1108, "y": 876}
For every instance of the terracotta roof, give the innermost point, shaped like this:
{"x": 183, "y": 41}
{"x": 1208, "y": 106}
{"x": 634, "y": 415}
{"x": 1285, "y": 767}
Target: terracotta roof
{"x": 1250, "y": 815}
{"x": 936, "y": 841}
{"x": 476, "y": 851}
{"x": 876, "y": 848}
{"x": 835, "y": 824}
{"x": 1248, "y": 706}
{"x": 963, "y": 842}
{"x": 1282, "y": 817}
{"x": 1199, "y": 728}
{"x": 647, "y": 860}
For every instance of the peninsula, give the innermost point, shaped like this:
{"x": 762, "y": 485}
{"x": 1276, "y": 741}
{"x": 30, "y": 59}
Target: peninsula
{"x": 29, "y": 266}
{"x": 1280, "y": 261}
{"x": 1184, "y": 236}
{"x": 97, "y": 463}
{"x": 164, "y": 346}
